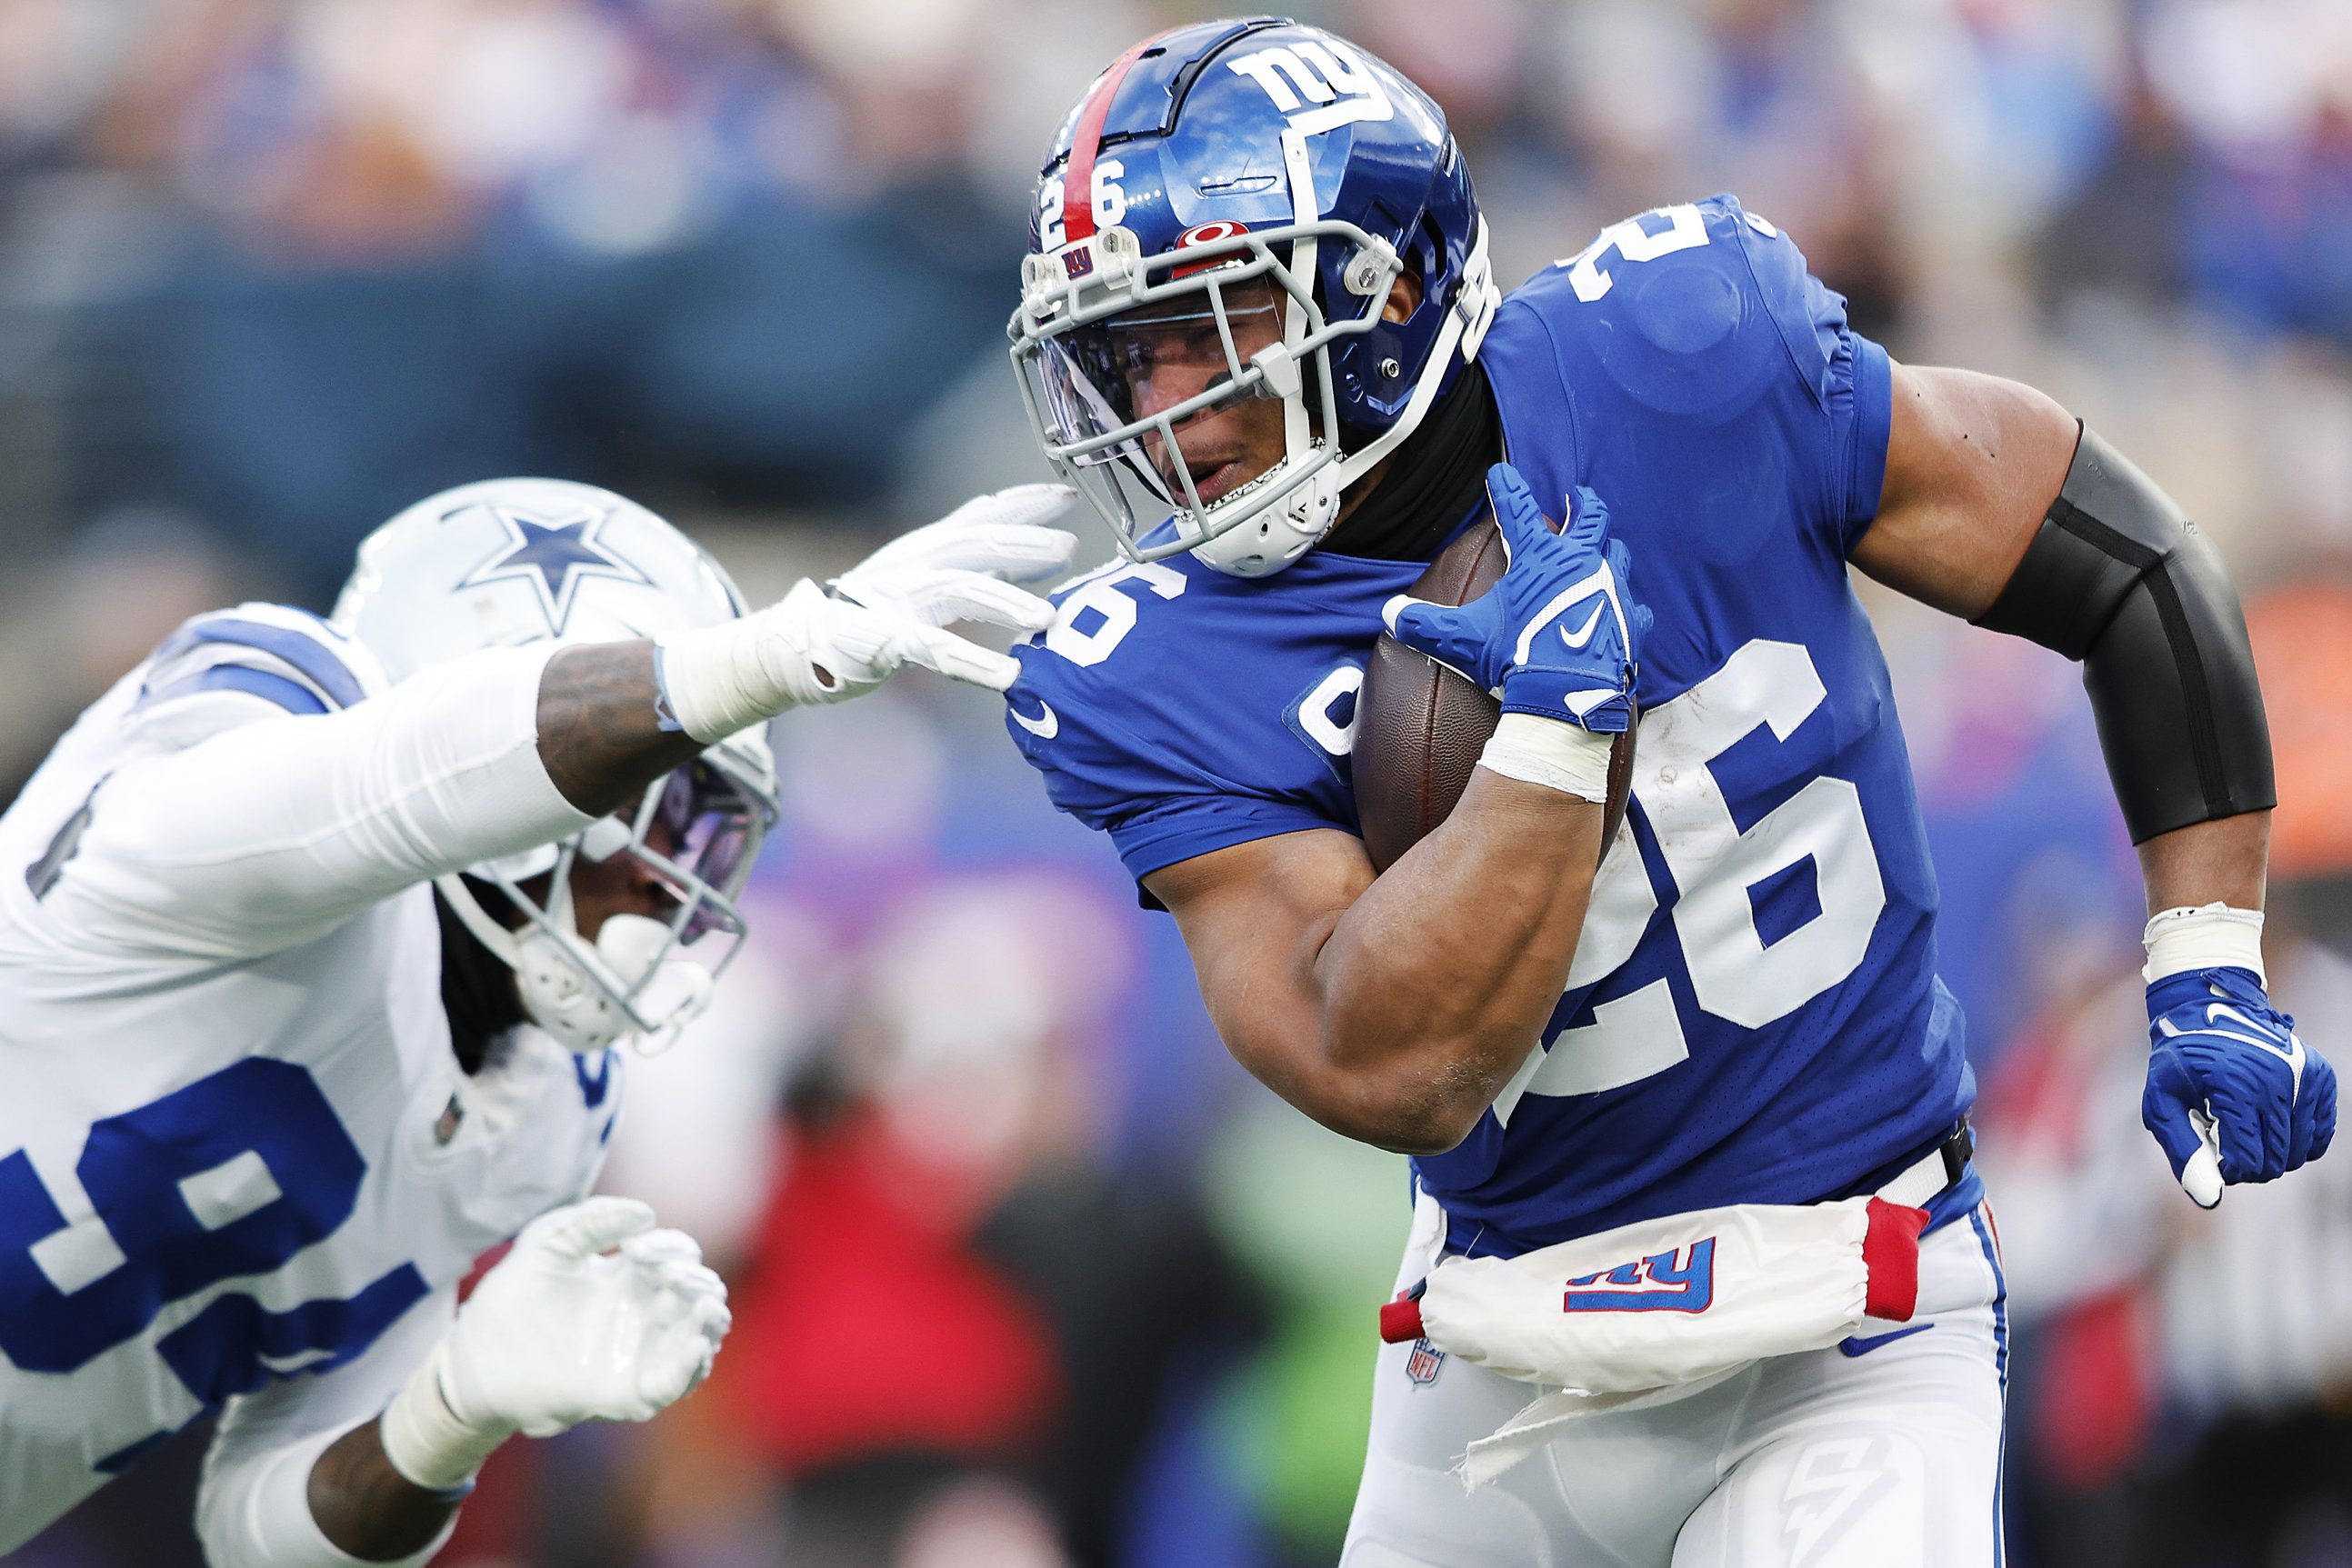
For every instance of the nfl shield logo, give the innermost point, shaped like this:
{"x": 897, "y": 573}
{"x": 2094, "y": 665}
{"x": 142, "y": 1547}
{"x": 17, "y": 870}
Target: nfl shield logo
{"x": 1423, "y": 1363}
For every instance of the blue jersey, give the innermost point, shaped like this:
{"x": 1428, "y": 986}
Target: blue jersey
{"x": 1753, "y": 1014}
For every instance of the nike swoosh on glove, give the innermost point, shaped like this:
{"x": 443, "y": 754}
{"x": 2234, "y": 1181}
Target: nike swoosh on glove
{"x": 2232, "y": 1094}
{"x": 1557, "y": 635}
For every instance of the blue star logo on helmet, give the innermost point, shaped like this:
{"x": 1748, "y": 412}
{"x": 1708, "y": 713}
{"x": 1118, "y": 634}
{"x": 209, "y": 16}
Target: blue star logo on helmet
{"x": 555, "y": 557}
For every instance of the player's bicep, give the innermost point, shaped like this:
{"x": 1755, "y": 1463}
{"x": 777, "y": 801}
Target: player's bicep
{"x": 264, "y": 835}
{"x": 1973, "y": 463}
{"x": 1255, "y": 917}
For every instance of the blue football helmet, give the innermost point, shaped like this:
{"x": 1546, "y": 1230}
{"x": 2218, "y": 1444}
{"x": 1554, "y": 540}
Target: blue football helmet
{"x": 1240, "y": 196}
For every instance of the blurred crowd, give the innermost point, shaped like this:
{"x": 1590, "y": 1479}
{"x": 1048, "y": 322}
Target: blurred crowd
{"x": 1028, "y": 1276}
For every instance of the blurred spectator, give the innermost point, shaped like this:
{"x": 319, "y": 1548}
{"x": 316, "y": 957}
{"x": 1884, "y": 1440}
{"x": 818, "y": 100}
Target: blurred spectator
{"x": 1318, "y": 1223}
{"x": 132, "y": 577}
{"x": 958, "y": 1314}
{"x": 949, "y": 1285}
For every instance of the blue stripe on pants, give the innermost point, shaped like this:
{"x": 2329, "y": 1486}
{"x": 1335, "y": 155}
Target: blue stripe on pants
{"x": 2001, "y": 1367}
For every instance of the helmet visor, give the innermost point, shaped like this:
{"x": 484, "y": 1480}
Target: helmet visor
{"x": 700, "y": 828}
{"x": 1161, "y": 365}
{"x": 1128, "y": 365}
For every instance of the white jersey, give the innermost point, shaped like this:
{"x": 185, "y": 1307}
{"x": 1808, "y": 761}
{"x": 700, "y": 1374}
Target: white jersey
{"x": 236, "y": 1148}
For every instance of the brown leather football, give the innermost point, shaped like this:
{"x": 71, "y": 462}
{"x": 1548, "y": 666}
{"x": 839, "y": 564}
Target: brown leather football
{"x": 1420, "y": 727}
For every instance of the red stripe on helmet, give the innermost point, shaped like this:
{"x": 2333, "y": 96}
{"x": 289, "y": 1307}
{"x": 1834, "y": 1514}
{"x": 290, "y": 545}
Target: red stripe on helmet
{"x": 1078, "y": 178}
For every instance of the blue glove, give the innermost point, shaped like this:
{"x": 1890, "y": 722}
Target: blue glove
{"x": 2232, "y": 1095}
{"x": 1555, "y": 636}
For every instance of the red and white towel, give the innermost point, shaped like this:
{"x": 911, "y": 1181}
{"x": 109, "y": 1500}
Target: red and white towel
{"x": 1655, "y": 1311}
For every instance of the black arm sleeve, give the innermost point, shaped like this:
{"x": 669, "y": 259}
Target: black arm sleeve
{"x": 2118, "y": 579}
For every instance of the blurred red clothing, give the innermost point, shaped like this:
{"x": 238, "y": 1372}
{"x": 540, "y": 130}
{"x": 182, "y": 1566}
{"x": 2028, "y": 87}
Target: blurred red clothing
{"x": 2089, "y": 1407}
{"x": 868, "y": 1325}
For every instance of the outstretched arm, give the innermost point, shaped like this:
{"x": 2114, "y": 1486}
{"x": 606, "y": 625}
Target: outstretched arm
{"x": 2000, "y": 506}
{"x": 614, "y": 716}
{"x": 602, "y": 730}
{"x": 265, "y": 834}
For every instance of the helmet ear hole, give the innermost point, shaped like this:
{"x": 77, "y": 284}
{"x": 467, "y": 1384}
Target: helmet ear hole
{"x": 1407, "y": 288}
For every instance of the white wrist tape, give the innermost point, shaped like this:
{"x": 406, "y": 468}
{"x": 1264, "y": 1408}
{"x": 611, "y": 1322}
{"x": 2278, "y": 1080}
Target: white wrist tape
{"x": 426, "y": 1440}
{"x": 1549, "y": 752}
{"x": 721, "y": 679}
{"x": 2210, "y": 936}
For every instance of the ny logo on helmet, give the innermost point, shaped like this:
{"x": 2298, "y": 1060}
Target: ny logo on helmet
{"x": 1295, "y": 75}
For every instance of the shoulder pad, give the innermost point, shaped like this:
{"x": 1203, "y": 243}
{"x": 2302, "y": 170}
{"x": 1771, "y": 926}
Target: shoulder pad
{"x": 271, "y": 653}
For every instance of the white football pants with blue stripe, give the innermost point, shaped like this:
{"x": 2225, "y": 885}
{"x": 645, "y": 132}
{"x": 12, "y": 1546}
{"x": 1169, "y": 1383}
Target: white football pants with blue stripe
{"x": 1886, "y": 1458}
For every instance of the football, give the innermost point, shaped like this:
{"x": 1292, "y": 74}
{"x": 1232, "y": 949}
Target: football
{"x": 1420, "y": 727}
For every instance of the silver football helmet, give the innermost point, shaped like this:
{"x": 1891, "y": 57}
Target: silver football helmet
{"x": 506, "y": 562}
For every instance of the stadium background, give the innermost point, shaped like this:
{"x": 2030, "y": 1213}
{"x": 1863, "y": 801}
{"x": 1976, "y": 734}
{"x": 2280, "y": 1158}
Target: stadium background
{"x": 1027, "y": 1273}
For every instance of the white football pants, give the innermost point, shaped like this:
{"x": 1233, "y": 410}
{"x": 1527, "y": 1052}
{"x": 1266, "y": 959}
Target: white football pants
{"x": 1889, "y": 1458}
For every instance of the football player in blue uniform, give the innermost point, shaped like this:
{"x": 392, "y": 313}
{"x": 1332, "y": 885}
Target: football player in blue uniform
{"x": 1260, "y": 332}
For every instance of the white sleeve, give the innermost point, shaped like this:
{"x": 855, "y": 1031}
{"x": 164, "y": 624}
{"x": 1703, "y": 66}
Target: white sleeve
{"x": 255, "y": 839}
{"x": 253, "y": 1505}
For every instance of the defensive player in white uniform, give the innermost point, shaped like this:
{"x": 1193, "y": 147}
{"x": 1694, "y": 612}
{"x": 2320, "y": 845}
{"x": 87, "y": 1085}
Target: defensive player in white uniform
{"x": 315, "y": 936}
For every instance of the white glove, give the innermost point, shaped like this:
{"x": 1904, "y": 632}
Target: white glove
{"x": 560, "y": 1333}
{"x": 814, "y": 648}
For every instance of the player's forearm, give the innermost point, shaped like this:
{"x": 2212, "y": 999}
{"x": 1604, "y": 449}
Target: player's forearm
{"x": 261, "y": 836}
{"x": 366, "y": 1508}
{"x": 600, "y": 727}
{"x": 1437, "y": 982}
{"x": 2221, "y": 861}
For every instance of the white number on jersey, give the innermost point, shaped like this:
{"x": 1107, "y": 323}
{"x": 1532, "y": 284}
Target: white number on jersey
{"x": 1685, "y": 230}
{"x": 225, "y": 1179}
{"x": 1097, "y": 615}
{"x": 1317, "y": 714}
{"x": 1735, "y": 974}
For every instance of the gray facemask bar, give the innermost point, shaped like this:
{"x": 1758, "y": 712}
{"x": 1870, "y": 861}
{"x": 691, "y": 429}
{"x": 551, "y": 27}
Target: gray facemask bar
{"x": 1052, "y": 306}
{"x": 694, "y": 894}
